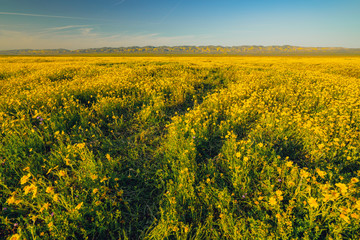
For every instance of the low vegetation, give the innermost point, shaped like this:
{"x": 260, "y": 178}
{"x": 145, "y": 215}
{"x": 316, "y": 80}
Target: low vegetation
{"x": 179, "y": 148}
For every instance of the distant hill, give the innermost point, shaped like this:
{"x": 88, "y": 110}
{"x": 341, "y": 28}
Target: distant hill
{"x": 213, "y": 50}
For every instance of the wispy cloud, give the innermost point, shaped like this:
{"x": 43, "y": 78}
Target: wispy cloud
{"x": 170, "y": 11}
{"x": 42, "y": 15}
{"x": 66, "y": 27}
{"x": 119, "y": 2}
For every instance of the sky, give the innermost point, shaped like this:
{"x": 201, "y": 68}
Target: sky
{"x": 79, "y": 24}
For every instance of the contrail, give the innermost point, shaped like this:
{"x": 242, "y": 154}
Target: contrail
{"x": 41, "y": 15}
{"x": 170, "y": 11}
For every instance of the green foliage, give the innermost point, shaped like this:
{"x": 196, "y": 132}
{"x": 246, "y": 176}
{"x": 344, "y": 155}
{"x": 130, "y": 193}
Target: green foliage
{"x": 179, "y": 148}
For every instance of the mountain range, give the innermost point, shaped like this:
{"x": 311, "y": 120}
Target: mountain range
{"x": 192, "y": 50}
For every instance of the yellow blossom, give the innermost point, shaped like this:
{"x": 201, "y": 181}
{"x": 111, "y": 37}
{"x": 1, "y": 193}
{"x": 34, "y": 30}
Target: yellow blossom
{"x": 26, "y": 169}
{"x": 80, "y": 145}
{"x": 78, "y": 206}
{"x": 327, "y": 197}
{"x": 95, "y": 190}
{"x": 56, "y": 197}
{"x": 62, "y": 173}
{"x": 45, "y": 206}
{"x": 272, "y": 201}
{"x": 11, "y": 200}
{"x": 50, "y": 190}
{"x": 50, "y": 225}
{"x": 15, "y": 237}
{"x": 345, "y": 218}
{"x": 93, "y": 176}
{"x": 321, "y": 173}
{"x": 343, "y": 187}
{"x": 291, "y": 184}
{"x": 312, "y": 202}
{"x": 104, "y": 179}
{"x": 30, "y": 188}
{"x": 354, "y": 180}
{"x": 24, "y": 179}
{"x": 304, "y": 174}
{"x": 289, "y": 163}
{"x": 357, "y": 205}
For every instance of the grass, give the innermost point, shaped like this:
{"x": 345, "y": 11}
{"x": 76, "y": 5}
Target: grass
{"x": 179, "y": 148}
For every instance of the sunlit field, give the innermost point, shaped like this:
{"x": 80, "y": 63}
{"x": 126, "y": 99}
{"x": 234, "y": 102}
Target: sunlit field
{"x": 179, "y": 147}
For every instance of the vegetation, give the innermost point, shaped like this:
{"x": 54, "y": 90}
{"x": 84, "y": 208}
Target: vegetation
{"x": 193, "y": 50}
{"x": 179, "y": 148}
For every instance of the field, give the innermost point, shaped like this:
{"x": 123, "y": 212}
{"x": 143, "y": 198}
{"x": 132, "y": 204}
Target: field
{"x": 179, "y": 147}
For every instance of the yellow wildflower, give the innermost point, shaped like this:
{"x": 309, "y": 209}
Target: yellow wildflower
{"x": 291, "y": 184}
{"x": 104, "y": 179}
{"x": 26, "y": 169}
{"x": 24, "y": 179}
{"x": 272, "y": 201}
{"x": 304, "y": 173}
{"x": 343, "y": 187}
{"x": 15, "y": 237}
{"x": 56, "y": 198}
{"x": 108, "y": 157}
{"x": 50, "y": 190}
{"x": 289, "y": 163}
{"x": 93, "y": 176}
{"x": 80, "y": 145}
{"x": 354, "y": 180}
{"x": 327, "y": 197}
{"x": 45, "y": 206}
{"x": 357, "y": 205}
{"x": 354, "y": 215}
{"x": 345, "y": 218}
{"x": 30, "y": 188}
{"x": 78, "y": 206}
{"x": 321, "y": 173}
{"x": 62, "y": 173}
{"x": 50, "y": 225}
{"x": 312, "y": 202}
{"x": 95, "y": 190}
{"x": 11, "y": 200}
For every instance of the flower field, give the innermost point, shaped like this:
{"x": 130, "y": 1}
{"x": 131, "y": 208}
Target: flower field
{"x": 179, "y": 147}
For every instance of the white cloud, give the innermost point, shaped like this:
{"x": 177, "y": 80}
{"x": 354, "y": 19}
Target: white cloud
{"x": 41, "y": 15}
{"x": 66, "y": 27}
{"x": 119, "y": 2}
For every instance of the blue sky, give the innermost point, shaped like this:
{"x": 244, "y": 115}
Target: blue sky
{"x": 75, "y": 24}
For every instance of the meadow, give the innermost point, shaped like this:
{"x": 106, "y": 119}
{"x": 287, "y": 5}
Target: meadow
{"x": 180, "y": 147}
